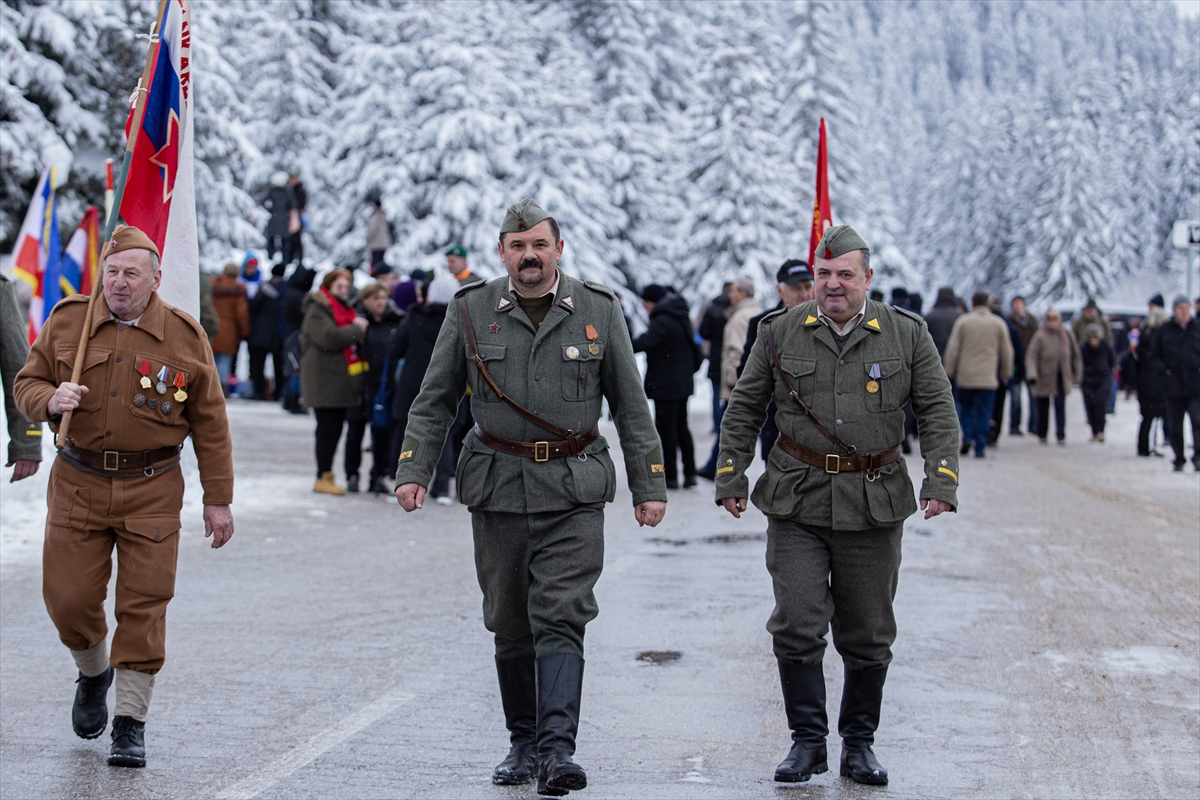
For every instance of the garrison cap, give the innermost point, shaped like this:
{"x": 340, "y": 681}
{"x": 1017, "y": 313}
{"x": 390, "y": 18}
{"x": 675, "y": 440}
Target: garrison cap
{"x": 457, "y": 250}
{"x": 522, "y": 215}
{"x": 839, "y": 240}
{"x": 127, "y": 237}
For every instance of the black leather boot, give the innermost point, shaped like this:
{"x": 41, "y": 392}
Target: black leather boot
{"x": 518, "y": 694}
{"x": 559, "y": 689}
{"x": 128, "y": 743}
{"x": 89, "y": 716}
{"x": 862, "y": 695}
{"x": 804, "y": 700}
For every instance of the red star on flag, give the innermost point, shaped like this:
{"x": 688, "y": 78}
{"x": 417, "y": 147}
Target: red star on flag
{"x": 167, "y": 157}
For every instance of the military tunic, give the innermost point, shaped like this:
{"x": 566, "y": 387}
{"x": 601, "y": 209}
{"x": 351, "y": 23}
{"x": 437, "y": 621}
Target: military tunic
{"x": 857, "y": 386}
{"x": 89, "y": 512}
{"x": 538, "y": 525}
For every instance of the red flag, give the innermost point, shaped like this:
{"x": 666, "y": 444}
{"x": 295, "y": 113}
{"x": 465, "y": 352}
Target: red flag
{"x": 822, "y": 219}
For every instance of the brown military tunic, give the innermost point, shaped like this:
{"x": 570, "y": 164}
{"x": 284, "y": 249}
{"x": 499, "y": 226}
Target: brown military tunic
{"x": 90, "y": 512}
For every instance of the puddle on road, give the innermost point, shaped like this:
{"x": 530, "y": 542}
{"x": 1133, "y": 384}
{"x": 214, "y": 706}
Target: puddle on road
{"x": 671, "y": 542}
{"x": 734, "y": 538}
{"x": 659, "y": 656}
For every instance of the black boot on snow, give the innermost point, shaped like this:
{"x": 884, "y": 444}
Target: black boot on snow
{"x": 89, "y": 716}
{"x": 804, "y": 700}
{"x": 518, "y": 694}
{"x": 862, "y": 696}
{"x": 559, "y": 689}
{"x": 128, "y": 743}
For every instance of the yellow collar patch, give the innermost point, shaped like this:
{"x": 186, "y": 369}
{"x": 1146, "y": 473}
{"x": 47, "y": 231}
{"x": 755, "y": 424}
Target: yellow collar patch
{"x": 810, "y": 319}
{"x": 873, "y": 323}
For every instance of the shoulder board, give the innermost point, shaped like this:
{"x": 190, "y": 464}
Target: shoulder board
{"x": 773, "y": 315}
{"x": 69, "y": 300}
{"x": 600, "y": 288}
{"x": 469, "y": 287}
{"x": 186, "y": 317}
{"x": 914, "y": 316}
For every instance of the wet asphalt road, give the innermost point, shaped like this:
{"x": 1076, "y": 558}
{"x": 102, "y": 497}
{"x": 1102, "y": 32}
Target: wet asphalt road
{"x": 1048, "y": 646}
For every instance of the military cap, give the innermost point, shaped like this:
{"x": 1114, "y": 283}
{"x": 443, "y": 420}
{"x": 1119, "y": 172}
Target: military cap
{"x": 522, "y": 215}
{"x": 457, "y": 250}
{"x": 839, "y": 240}
{"x": 127, "y": 237}
{"x": 792, "y": 272}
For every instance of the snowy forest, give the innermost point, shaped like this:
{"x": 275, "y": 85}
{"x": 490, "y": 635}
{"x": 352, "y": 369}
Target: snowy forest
{"x": 1014, "y": 145}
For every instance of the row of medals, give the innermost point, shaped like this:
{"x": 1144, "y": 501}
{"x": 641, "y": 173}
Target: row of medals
{"x": 167, "y": 406}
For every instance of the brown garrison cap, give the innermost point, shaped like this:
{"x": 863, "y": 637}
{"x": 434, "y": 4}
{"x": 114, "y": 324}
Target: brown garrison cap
{"x": 127, "y": 237}
{"x": 839, "y": 240}
{"x": 522, "y": 215}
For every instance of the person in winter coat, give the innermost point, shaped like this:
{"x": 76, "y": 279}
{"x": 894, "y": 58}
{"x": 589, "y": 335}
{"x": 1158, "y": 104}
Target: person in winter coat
{"x": 1147, "y": 376}
{"x": 229, "y": 297}
{"x": 712, "y": 331}
{"x": 979, "y": 357}
{"x": 251, "y": 276}
{"x": 300, "y": 193}
{"x": 1052, "y": 366}
{"x": 1177, "y": 346}
{"x": 379, "y": 232}
{"x": 264, "y": 339}
{"x": 941, "y": 318}
{"x": 331, "y": 369}
{"x": 742, "y": 308}
{"x": 669, "y": 345}
{"x": 1090, "y": 315}
{"x": 1018, "y": 376}
{"x": 285, "y": 218}
{"x": 1026, "y": 325}
{"x": 415, "y": 345}
{"x": 383, "y": 333}
{"x": 1098, "y": 363}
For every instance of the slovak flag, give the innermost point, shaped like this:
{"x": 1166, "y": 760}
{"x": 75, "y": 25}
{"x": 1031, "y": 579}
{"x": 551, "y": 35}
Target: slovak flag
{"x": 160, "y": 195}
{"x": 39, "y": 247}
{"x": 77, "y": 269}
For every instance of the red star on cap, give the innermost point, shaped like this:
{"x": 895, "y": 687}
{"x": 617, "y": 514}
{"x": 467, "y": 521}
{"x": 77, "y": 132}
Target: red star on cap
{"x": 828, "y": 253}
{"x": 521, "y": 224}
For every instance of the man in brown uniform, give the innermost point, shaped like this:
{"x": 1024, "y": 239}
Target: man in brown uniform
{"x": 148, "y": 382}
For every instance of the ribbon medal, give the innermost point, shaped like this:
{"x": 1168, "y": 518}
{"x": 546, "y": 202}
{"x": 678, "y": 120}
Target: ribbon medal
{"x": 180, "y": 385}
{"x": 873, "y": 384}
{"x": 592, "y": 336}
{"x": 144, "y": 370}
{"x": 161, "y": 386}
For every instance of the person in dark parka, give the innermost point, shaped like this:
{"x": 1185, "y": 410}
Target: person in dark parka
{"x": 264, "y": 338}
{"x": 669, "y": 345}
{"x": 940, "y": 319}
{"x": 384, "y": 321}
{"x": 284, "y": 220}
{"x": 1177, "y": 346}
{"x": 1096, "y": 386}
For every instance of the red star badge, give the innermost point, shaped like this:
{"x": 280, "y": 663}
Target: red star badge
{"x": 494, "y": 327}
{"x": 167, "y": 157}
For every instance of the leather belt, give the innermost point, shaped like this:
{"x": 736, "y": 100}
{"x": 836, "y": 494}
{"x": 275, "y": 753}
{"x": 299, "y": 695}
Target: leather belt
{"x": 538, "y": 451}
{"x": 115, "y": 460}
{"x": 833, "y": 463}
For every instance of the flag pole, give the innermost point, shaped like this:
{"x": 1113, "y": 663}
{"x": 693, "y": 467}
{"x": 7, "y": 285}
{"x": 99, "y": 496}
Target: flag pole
{"x": 139, "y": 108}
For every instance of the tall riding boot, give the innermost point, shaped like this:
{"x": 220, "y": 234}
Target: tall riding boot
{"x": 559, "y": 689}
{"x": 804, "y": 700}
{"x": 518, "y": 694}
{"x": 862, "y": 695}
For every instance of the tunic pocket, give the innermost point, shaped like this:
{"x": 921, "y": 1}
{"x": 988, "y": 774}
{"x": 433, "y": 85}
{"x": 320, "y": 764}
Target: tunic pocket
{"x": 581, "y": 370}
{"x": 147, "y": 403}
{"x": 890, "y": 497}
{"x": 594, "y": 477}
{"x": 93, "y": 375}
{"x": 474, "y": 480}
{"x": 891, "y": 390}
{"x": 492, "y": 356}
{"x": 777, "y": 492}
{"x": 146, "y": 559}
{"x": 802, "y": 374}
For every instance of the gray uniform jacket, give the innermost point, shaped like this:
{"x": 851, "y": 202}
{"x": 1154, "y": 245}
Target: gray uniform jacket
{"x": 553, "y": 373}
{"x": 24, "y": 437}
{"x": 833, "y": 383}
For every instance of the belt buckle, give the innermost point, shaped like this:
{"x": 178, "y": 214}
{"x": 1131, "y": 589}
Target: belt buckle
{"x": 837, "y": 463}
{"x": 111, "y": 456}
{"x": 541, "y": 452}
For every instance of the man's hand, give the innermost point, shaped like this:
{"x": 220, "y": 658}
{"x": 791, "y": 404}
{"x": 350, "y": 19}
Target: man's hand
{"x": 24, "y": 469}
{"x": 361, "y": 322}
{"x": 65, "y": 398}
{"x": 933, "y": 507}
{"x": 218, "y": 523}
{"x": 411, "y": 496}
{"x": 649, "y": 513}
{"x": 735, "y": 506}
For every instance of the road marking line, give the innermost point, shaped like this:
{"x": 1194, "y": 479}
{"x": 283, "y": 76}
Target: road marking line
{"x": 317, "y": 746}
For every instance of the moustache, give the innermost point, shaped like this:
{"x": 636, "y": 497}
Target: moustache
{"x": 530, "y": 263}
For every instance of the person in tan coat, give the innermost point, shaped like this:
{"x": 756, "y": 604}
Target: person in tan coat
{"x": 742, "y": 308}
{"x": 233, "y": 311}
{"x": 978, "y": 356}
{"x": 1052, "y": 366}
{"x": 148, "y": 383}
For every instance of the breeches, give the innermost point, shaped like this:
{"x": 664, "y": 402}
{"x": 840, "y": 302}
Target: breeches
{"x": 824, "y": 577}
{"x": 537, "y": 573}
{"x": 89, "y": 515}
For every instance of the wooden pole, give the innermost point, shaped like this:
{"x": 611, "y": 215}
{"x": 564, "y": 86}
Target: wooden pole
{"x": 139, "y": 108}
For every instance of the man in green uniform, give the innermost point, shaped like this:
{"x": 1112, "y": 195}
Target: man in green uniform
{"x": 836, "y": 490}
{"x": 539, "y": 350}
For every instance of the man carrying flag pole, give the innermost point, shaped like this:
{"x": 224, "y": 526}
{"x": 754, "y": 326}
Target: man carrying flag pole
{"x": 142, "y": 381}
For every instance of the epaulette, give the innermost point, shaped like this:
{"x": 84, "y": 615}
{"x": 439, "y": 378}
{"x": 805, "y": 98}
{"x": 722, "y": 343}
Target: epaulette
{"x": 468, "y": 287}
{"x": 179, "y": 312}
{"x": 69, "y": 299}
{"x": 778, "y": 312}
{"x": 601, "y": 289}
{"x": 908, "y": 313}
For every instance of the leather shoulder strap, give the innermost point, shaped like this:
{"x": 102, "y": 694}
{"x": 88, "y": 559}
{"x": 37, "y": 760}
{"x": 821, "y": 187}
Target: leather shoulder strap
{"x": 828, "y": 434}
{"x": 541, "y": 422}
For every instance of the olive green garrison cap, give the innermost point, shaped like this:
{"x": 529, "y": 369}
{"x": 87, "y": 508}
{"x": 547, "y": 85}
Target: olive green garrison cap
{"x": 839, "y": 240}
{"x": 522, "y": 215}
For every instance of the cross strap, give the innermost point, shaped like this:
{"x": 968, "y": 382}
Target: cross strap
{"x": 828, "y": 434}
{"x": 542, "y": 422}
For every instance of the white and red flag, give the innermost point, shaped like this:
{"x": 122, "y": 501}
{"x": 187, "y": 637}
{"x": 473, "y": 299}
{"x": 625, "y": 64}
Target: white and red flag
{"x": 160, "y": 196}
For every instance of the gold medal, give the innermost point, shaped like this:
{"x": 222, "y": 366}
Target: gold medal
{"x": 180, "y": 396}
{"x": 146, "y": 382}
{"x": 872, "y": 386}
{"x": 594, "y": 349}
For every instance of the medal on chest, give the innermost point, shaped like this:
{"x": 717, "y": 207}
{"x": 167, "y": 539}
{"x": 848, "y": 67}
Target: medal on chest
{"x": 161, "y": 386}
{"x": 592, "y": 336}
{"x": 180, "y": 386}
{"x": 144, "y": 371}
{"x": 875, "y": 375}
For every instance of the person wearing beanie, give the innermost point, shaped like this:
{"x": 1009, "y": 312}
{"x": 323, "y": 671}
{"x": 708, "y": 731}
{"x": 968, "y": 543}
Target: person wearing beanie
{"x": 117, "y": 482}
{"x": 1176, "y": 346}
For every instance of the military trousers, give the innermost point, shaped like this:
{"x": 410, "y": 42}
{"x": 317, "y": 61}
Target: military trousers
{"x": 537, "y": 573}
{"x": 825, "y": 577}
{"x": 88, "y": 515}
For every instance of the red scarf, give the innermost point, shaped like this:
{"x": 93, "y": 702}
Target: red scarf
{"x": 343, "y": 315}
